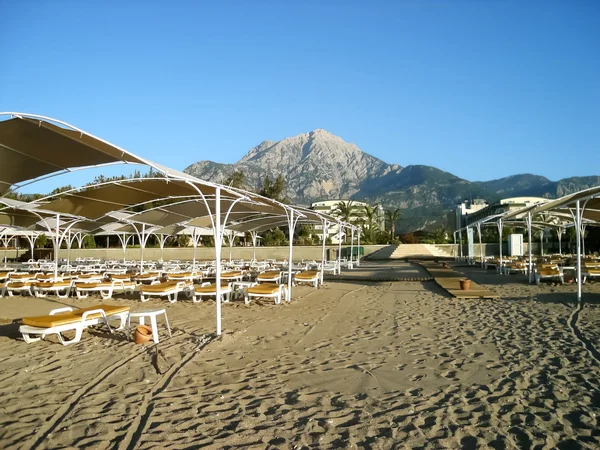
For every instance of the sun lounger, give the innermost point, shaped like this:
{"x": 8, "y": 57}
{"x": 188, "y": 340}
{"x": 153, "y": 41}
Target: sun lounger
{"x": 184, "y": 276}
{"x": 104, "y": 288}
{"x": 22, "y": 287}
{"x": 61, "y": 289}
{"x": 232, "y": 276}
{"x": 66, "y": 319}
{"x": 515, "y": 267}
{"x": 147, "y": 278}
{"x": 90, "y": 277}
{"x": 590, "y": 273}
{"x": 210, "y": 290}
{"x": 271, "y": 276}
{"x": 549, "y": 274}
{"x": 308, "y": 276}
{"x": 266, "y": 290}
{"x": 169, "y": 289}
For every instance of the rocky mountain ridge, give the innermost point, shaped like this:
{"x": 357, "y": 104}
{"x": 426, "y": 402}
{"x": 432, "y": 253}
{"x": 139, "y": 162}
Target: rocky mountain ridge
{"x": 321, "y": 166}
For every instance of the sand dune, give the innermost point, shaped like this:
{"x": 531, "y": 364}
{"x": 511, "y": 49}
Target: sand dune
{"x": 371, "y": 365}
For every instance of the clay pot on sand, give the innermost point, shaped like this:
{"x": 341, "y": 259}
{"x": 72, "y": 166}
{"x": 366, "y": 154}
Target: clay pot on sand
{"x": 465, "y": 284}
{"x": 143, "y": 333}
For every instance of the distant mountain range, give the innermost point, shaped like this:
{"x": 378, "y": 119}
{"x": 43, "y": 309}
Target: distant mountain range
{"x": 321, "y": 166}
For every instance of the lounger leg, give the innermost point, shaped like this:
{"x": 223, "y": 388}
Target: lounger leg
{"x": 142, "y": 298}
{"x": 77, "y": 338}
{"x": 27, "y": 338}
{"x": 174, "y": 297}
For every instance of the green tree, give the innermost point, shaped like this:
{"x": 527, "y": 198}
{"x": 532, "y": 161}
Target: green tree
{"x": 369, "y": 221}
{"x": 89, "y": 241}
{"x": 41, "y": 241}
{"x": 345, "y": 211}
{"x": 273, "y": 188}
{"x": 392, "y": 216}
{"x": 235, "y": 179}
{"x": 440, "y": 235}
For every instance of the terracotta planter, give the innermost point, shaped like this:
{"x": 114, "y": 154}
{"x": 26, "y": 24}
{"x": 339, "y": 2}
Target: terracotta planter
{"x": 143, "y": 333}
{"x": 465, "y": 284}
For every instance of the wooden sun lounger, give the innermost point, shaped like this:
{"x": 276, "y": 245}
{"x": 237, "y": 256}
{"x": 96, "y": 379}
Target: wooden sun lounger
{"x": 169, "y": 289}
{"x": 308, "y": 276}
{"x": 66, "y": 319}
{"x": 104, "y": 288}
{"x": 266, "y": 290}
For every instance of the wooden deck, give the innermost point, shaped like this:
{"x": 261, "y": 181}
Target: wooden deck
{"x": 449, "y": 280}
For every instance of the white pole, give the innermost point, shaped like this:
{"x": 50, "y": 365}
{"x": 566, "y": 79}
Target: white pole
{"x": 578, "y": 225}
{"x": 142, "y": 242}
{"x": 56, "y": 246}
{"x": 559, "y": 232}
{"x": 231, "y": 239}
{"x": 500, "y": 238}
{"x": 253, "y": 235}
{"x": 358, "y": 254}
{"x": 291, "y": 236}
{"x": 583, "y": 227}
{"x": 218, "y": 242}
{"x": 323, "y": 248}
{"x": 529, "y": 248}
{"x": 339, "y": 248}
{"x": 455, "y": 252}
{"x": 541, "y": 242}
{"x": 480, "y": 244}
{"x": 195, "y": 244}
{"x": 351, "y": 246}
{"x": 460, "y": 246}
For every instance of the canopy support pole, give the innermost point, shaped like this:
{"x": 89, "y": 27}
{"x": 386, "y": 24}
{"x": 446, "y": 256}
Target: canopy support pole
{"x": 559, "y": 235}
{"x": 529, "y": 249}
{"x": 579, "y": 238}
{"x": 454, "y": 249}
{"x": 460, "y": 247}
{"x": 218, "y": 242}
{"x": 500, "y": 239}
{"x": 339, "y": 248}
{"x": 325, "y": 225}
{"x": 583, "y": 227}
{"x": 351, "y": 246}
{"x": 291, "y": 227}
{"x": 358, "y": 253}
{"x": 478, "y": 225}
{"x": 253, "y": 235}
{"x": 541, "y": 242}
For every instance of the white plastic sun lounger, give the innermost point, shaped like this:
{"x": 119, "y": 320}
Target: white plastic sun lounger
{"x": 66, "y": 319}
{"x": 62, "y": 289}
{"x": 309, "y": 276}
{"x": 169, "y": 289}
{"x": 105, "y": 289}
{"x": 277, "y": 292}
{"x": 207, "y": 289}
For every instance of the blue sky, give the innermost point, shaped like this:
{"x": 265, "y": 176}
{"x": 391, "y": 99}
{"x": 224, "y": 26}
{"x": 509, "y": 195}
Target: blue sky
{"x": 482, "y": 89}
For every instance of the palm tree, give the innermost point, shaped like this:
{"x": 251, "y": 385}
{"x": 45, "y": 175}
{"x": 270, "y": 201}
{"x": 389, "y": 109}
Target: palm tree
{"x": 392, "y": 217}
{"x": 369, "y": 221}
{"x": 345, "y": 211}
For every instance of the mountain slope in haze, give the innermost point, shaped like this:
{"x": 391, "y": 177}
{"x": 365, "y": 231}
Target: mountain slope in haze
{"x": 321, "y": 166}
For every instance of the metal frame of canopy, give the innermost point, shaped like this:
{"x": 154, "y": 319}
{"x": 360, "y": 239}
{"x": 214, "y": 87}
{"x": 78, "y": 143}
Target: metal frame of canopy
{"x": 34, "y": 147}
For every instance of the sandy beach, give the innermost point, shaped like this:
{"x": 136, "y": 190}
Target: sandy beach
{"x": 351, "y": 365}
